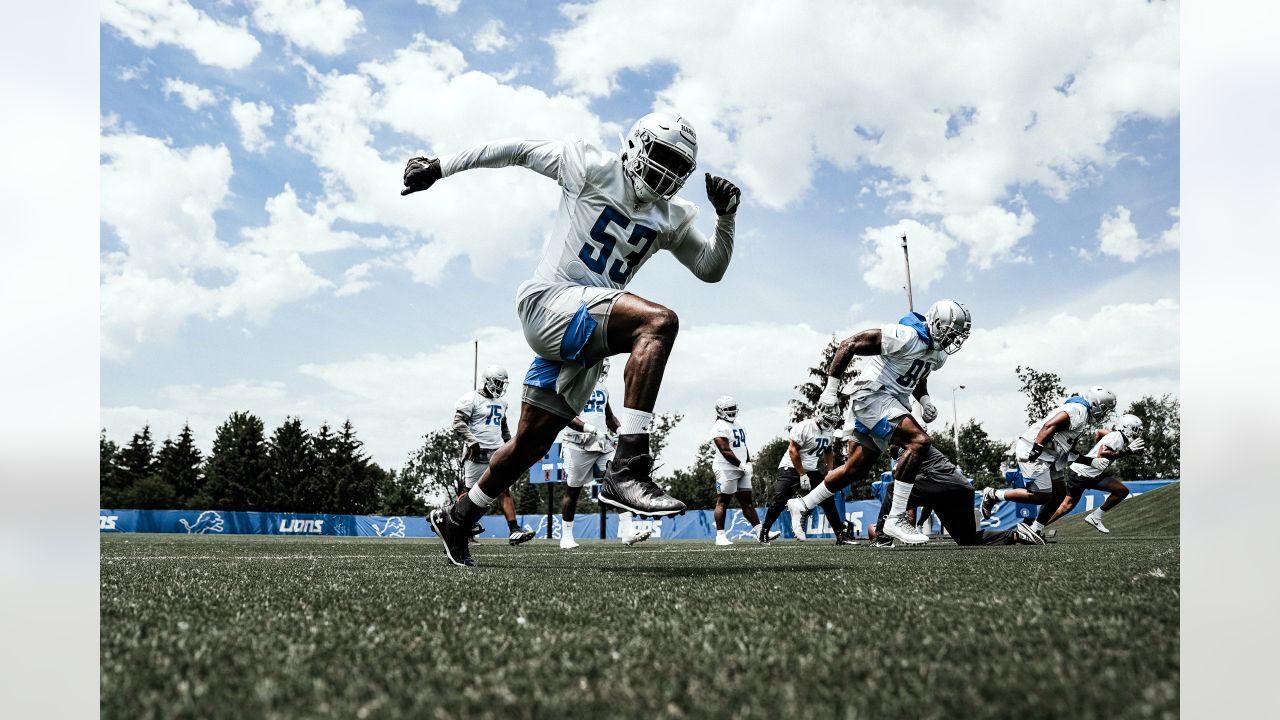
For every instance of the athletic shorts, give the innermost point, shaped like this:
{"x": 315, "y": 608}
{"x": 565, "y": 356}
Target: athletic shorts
{"x": 566, "y": 325}
{"x": 1043, "y": 481}
{"x": 875, "y": 413}
{"x": 471, "y": 471}
{"x": 581, "y": 466}
{"x": 731, "y": 480}
{"x": 1077, "y": 484}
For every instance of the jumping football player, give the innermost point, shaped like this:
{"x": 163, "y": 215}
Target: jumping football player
{"x": 902, "y": 356}
{"x": 1090, "y": 472}
{"x": 810, "y": 450}
{"x": 732, "y": 467}
{"x": 588, "y": 444}
{"x": 480, "y": 421}
{"x": 616, "y": 211}
{"x": 1044, "y": 451}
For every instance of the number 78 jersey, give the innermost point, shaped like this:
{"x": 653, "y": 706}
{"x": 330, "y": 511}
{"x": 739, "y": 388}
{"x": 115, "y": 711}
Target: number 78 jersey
{"x": 905, "y": 360}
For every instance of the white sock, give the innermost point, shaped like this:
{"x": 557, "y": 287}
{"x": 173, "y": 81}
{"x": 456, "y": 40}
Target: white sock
{"x": 901, "y": 494}
{"x": 1037, "y": 526}
{"x": 720, "y": 533}
{"x": 756, "y": 528}
{"x": 816, "y": 496}
{"x": 1098, "y": 513}
{"x": 566, "y": 529}
{"x": 1000, "y": 494}
{"x": 634, "y": 422}
{"x": 478, "y": 497}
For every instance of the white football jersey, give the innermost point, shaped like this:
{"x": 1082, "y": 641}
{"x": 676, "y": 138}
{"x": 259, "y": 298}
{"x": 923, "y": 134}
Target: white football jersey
{"x": 600, "y": 237}
{"x": 905, "y": 359}
{"x": 1114, "y": 440}
{"x": 1063, "y": 440}
{"x": 737, "y": 437}
{"x": 593, "y": 412}
{"x": 811, "y": 440}
{"x": 484, "y": 417}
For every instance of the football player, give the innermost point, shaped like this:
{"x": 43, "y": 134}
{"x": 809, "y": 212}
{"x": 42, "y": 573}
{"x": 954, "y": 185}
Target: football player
{"x": 1044, "y": 451}
{"x": 587, "y": 445}
{"x": 616, "y": 211}
{"x": 480, "y": 421}
{"x": 805, "y": 464}
{"x": 902, "y": 356}
{"x": 732, "y": 467}
{"x": 1090, "y": 472}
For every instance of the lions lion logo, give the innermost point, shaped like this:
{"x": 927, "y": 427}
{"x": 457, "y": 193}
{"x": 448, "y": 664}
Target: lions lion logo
{"x": 393, "y": 527}
{"x": 209, "y": 521}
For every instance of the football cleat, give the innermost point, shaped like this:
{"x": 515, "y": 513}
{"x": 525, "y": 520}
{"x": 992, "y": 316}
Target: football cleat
{"x": 629, "y": 487}
{"x": 884, "y": 542}
{"x": 901, "y": 528}
{"x": 637, "y": 537}
{"x": 568, "y": 543}
{"x": 799, "y": 518}
{"x": 454, "y": 538}
{"x": 989, "y": 502}
{"x": 722, "y": 541}
{"x": 768, "y": 536}
{"x": 519, "y": 537}
{"x": 1024, "y": 535}
{"x": 844, "y": 537}
{"x": 1096, "y": 523}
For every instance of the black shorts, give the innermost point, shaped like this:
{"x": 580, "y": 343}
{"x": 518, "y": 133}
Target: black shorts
{"x": 1077, "y": 484}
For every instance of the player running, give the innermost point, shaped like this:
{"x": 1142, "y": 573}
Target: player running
{"x": 1091, "y": 472}
{"x": 587, "y": 445}
{"x": 902, "y": 356}
{"x": 810, "y": 451}
{"x": 480, "y": 421}
{"x": 615, "y": 213}
{"x": 733, "y": 469}
{"x": 1044, "y": 451}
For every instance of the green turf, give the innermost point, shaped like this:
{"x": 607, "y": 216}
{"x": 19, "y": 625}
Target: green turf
{"x": 296, "y": 627}
{"x": 1151, "y": 514}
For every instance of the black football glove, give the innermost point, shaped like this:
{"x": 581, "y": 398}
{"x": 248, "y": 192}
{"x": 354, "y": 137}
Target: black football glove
{"x": 420, "y": 173}
{"x": 724, "y": 195}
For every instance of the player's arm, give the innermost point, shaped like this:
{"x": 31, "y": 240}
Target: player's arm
{"x": 506, "y": 433}
{"x": 1058, "y": 422}
{"x": 722, "y": 444}
{"x": 864, "y": 343}
{"x": 581, "y": 426}
{"x": 928, "y": 411}
{"x": 829, "y": 458}
{"x": 709, "y": 258}
{"x": 610, "y": 420}
{"x": 420, "y": 173}
{"x": 793, "y": 451}
{"x": 462, "y": 429}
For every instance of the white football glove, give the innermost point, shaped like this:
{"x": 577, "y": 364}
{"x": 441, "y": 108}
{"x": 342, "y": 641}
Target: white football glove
{"x": 830, "y": 392}
{"x": 927, "y": 409}
{"x": 1101, "y": 463}
{"x": 1137, "y": 445}
{"x": 805, "y": 486}
{"x": 748, "y": 469}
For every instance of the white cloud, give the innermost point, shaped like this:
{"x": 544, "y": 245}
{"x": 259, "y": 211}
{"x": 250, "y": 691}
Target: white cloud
{"x": 147, "y": 23}
{"x": 251, "y": 118}
{"x": 1118, "y": 236}
{"x": 883, "y": 267}
{"x": 324, "y": 26}
{"x": 191, "y": 95}
{"x": 444, "y": 7}
{"x": 355, "y": 280}
{"x": 991, "y": 234}
{"x": 490, "y": 38}
{"x": 958, "y": 121}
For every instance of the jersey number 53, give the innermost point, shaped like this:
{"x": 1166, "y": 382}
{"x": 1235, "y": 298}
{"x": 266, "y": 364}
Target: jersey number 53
{"x": 596, "y": 259}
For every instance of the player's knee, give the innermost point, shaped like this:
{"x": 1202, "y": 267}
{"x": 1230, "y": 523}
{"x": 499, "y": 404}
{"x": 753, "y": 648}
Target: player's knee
{"x": 919, "y": 443}
{"x": 664, "y": 323}
{"x": 1120, "y": 493}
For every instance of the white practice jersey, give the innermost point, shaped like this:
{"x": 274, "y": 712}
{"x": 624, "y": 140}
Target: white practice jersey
{"x": 593, "y": 413}
{"x": 601, "y": 237}
{"x": 1063, "y": 440}
{"x": 905, "y": 359}
{"x": 811, "y": 440}
{"x": 484, "y": 417}
{"x": 737, "y": 437}
{"x": 1114, "y": 440}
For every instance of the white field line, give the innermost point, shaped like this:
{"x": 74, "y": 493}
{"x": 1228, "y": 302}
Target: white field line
{"x": 415, "y": 558}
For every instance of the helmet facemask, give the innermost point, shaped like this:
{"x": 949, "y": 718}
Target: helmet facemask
{"x": 949, "y": 325}
{"x": 830, "y": 417}
{"x": 658, "y": 167}
{"x": 495, "y": 381}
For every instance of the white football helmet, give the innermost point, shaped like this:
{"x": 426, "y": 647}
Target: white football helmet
{"x": 660, "y": 154}
{"x": 727, "y": 408}
{"x": 949, "y": 323}
{"x": 604, "y": 369}
{"x": 1101, "y": 402}
{"x": 495, "y": 381}
{"x": 1130, "y": 426}
{"x": 829, "y": 416}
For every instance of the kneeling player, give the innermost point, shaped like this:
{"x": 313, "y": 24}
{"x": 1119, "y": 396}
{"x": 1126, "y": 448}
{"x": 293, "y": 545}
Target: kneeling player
{"x": 480, "y": 421}
{"x": 732, "y": 467}
{"x": 1125, "y": 438}
{"x": 1044, "y": 451}
{"x": 803, "y": 466}
{"x": 941, "y": 486}
{"x": 588, "y": 445}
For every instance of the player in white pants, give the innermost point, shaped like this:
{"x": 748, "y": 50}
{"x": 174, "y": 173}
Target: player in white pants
{"x": 1045, "y": 450}
{"x": 480, "y": 421}
{"x": 587, "y": 446}
{"x": 733, "y": 469}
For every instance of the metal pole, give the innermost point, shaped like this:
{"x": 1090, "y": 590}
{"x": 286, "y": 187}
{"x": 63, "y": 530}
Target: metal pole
{"x": 604, "y": 518}
{"x": 911, "y": 306}
{"x": 955, "y": 422}
{"x": 475, "y": 367}
{"x": 551, "y": 506}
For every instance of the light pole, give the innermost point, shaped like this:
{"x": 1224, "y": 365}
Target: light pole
{"x": 955, "y": 422}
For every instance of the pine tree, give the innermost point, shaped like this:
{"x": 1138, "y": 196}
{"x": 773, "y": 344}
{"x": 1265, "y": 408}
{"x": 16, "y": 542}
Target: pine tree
{"x": 318, "y": 490}
{"x": 355, "y": 486}
{"x": 236, "y": 474}
{"x": 180, "y": 467}
{"x": 804, "y": 407}
{"x": 137, "y": 460}
{"x": 110, "y": 479}
{"x": 291, "y": 463}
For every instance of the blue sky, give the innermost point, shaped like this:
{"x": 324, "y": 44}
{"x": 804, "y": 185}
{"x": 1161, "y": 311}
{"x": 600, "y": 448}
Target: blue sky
{"x": 271, "y": 266}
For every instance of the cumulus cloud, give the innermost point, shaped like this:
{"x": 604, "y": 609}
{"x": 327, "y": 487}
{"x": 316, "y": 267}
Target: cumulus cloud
{"x": 252, "y": 119}
{"x": 444, "y": 7}
{"x": 148, "y": 23}
{"x": 490, "y": 38}
{"x": 355, "y": 280}
{"x": 883, "y": 265}
{"x": 991, "y": 234}
{"x": 324, "y": 26}
{"x": 191, "y": 95}
{"x": 1118, "y": 236}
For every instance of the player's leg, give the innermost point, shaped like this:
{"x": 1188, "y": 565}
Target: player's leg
{"x": 914, "y": 442}
{"x": 749, "y": 509}
{"x": 577, "y": 470}
{"x": 1050, "y": 506}
{"x": 1117, "y": 492}
{"x": 722, "y": 509}
{"x": 1038, "y": 490}
{"x": 1076, "y": 486}
{"x": 783, "y": 489}
{"x": 508, "y": 510}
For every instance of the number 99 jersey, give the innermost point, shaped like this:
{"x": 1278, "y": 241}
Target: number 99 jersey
{"x": 905, "y": 359}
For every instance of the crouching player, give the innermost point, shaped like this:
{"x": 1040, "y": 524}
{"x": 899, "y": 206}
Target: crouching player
{"x": 804, "y": 466}
{"x": 1091, "y": 471}
{"x": 941, "y": 486}
{"x": 732, "y": 467}
{"x": 588, "y": 445}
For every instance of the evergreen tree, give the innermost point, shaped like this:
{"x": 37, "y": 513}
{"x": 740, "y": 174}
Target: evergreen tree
{"x": 1044, "y": 392}
{"x": 318, "y": 491}
{"x": 355, "y": 486}
{"x": 137, "y": 461}
{"x": 804, "y": 407}
{"x": 291, "y": 463}
{"x": 111, "y": 484}
{"x": 236, "y": 476}
{"x": 180, "y": 467}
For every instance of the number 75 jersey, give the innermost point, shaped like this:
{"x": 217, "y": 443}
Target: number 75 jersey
{"x": 905, "y": 360}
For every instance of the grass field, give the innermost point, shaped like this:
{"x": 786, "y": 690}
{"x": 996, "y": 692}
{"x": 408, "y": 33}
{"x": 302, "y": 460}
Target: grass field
{"x": 312, "y": 627}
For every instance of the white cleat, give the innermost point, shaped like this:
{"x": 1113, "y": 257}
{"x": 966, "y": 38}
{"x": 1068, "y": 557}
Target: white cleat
{"x": 722, "y": 541}
{"x": 900, "y": 528}
{"x": 1024, "y": 535}
{"x": 1096, "y": 523}
{"x": 799, "y": 518}
{"x": 568, "y": 543}
{"x": 637, "y": 537}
